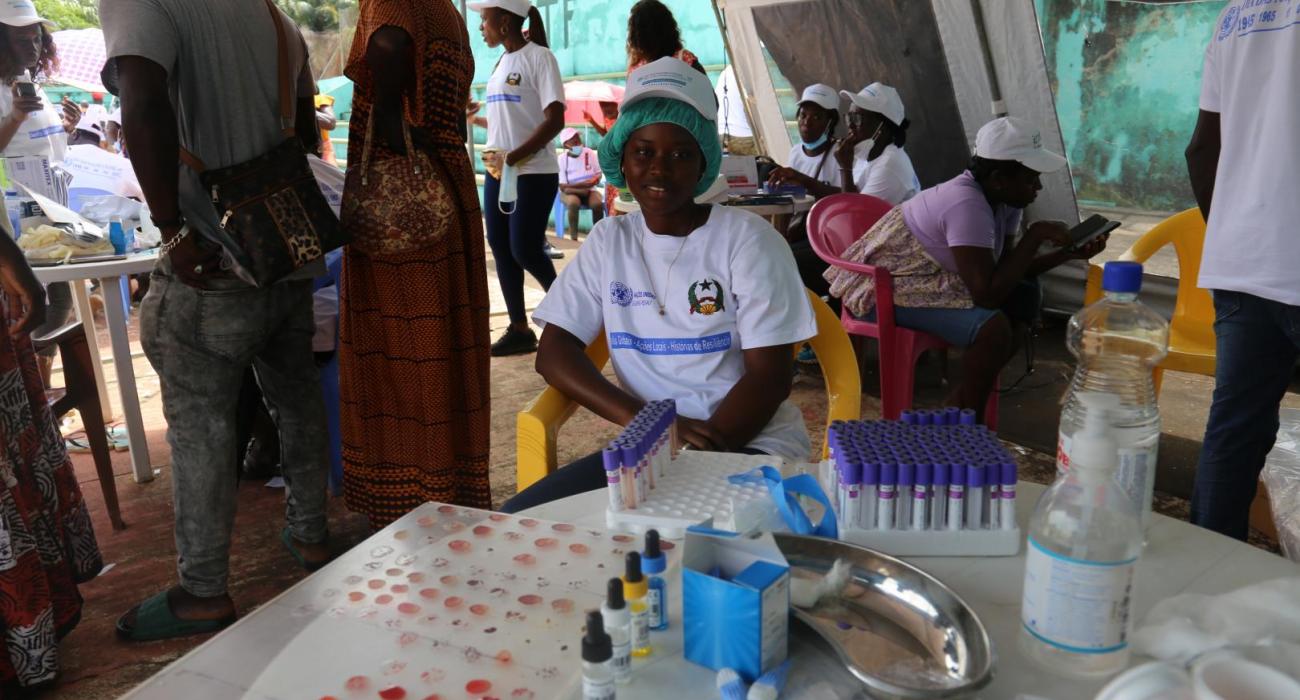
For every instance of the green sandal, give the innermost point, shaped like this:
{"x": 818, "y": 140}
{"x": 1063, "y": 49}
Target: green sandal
{"x": 287, "y": 539}
{"x": 154, "y": 620}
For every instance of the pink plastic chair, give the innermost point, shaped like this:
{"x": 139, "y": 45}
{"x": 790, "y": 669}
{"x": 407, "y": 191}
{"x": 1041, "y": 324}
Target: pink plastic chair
{"x": 835, "y": 223}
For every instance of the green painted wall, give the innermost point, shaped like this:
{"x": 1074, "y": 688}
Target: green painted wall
{"x": 1127, "y": 79}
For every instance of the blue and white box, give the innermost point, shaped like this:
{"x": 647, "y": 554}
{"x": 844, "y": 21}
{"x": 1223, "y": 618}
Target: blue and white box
{"x": 735, "y": 601}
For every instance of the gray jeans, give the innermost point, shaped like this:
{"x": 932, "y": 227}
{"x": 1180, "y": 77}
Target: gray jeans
{"x": 200, "y": 342}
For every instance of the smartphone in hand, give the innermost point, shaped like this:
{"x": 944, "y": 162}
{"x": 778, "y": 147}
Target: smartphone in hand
{"x": 1090, "y": 229}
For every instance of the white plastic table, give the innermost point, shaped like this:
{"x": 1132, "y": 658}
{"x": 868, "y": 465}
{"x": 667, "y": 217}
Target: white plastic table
{"x": 110, "y": 274}
{"x": 1179, "y": 558}
{"x": 803, "y": 203}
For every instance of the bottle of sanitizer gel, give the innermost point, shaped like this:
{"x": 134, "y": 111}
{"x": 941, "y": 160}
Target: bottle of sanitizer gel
{"x": 1084, "y": 541}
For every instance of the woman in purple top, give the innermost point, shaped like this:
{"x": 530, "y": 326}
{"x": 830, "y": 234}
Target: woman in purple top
{"x": 956, "y": 273}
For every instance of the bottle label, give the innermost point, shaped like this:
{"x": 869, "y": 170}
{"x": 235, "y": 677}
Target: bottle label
{"x": 641, "y": 629}
{"x": 1136, "y": 466}
{"x": 621, "y": 663}
{"x": 1075, "y": 605}
{"x": 598, "y": 688}
{"x": 653, "y": 600}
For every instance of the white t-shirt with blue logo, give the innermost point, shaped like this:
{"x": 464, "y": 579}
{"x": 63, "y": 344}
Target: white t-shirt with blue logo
{"x": 524, "y": 84}
{"x": 734, "y": 286}
{"x": 890, "y": 176}
{"x": 1251, "y": 243}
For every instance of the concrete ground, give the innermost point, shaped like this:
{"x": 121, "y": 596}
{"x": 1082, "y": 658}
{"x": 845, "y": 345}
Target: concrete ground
{"x": 141, "y": 558}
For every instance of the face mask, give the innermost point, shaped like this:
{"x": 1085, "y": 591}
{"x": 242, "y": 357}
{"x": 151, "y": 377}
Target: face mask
{"x": 863, "y": 150}
{"x": 509, "y": 189}
{"x": 575, "y": 151}
{"x": 814, "y": 145}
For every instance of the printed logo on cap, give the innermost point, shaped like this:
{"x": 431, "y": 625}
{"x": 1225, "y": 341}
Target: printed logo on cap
{"x": 1038, "y": 139}
{"x": 664, "y": 78}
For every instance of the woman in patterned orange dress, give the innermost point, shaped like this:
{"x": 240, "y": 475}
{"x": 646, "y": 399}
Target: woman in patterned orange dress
{"x": 47, "y": 545}
{"x": 413, "y": 331}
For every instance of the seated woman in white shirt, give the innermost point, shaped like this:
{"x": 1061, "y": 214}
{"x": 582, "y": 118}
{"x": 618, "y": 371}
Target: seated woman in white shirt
{"x": 699, "y": 303}
{"x": 810, "y": 163}
{"x": 871, "y": 159}
{"x": 579, "y": 180}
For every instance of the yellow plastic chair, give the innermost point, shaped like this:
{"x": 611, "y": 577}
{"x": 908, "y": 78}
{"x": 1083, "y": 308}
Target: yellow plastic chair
{"x": 538, "y": 425}
{"x": 1191, "y": 330}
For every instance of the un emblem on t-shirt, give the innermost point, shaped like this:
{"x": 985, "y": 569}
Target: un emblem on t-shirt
{"x": 1229, "y": 21}
{"x": 620, "y": 294}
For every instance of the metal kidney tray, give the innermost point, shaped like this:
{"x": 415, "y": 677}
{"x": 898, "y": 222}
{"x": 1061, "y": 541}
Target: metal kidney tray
{"x": 899, "y": 630}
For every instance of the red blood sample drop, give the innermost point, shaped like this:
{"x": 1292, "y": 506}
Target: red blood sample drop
{"x": 499, "y": 517}
{"x": 393, "y": 692}
{"x": 428, "y": 593}
{"x": 665, "y": 545}
{"x": 408, "y": 608}
{"x": 546, "y": 542}
{"x": 579, "y": 548}
{"x": 401, "y": 535}
{"x": 525, "y": 559}
{"x": 460, "y": 546}
{"x": 357, "y": 683}
{"x": 376, "y": 583}
{"x": 449, "y": 580}
{"x": 530, "y": 599}
{"x": 562, "y": 527}
{"x": 528, "y": 522}
{"x": 562, "y": 605}
{"x": 415, "y": 577}
{"x": 624, "y": 538}
{"x": 400, "y": 588}
{"x": 478, "y": 686}
{"x": 384, "y": 599}
{"x": 478, "y": 609}
{"x": 446, "y": 510}
{"x": 453, "y": 601}
{"x": 482, "y": 530}
{"x": 426, "y": 521}
{"x": 394, "y": 572}
{"x": 504, "y": 657}
{"x": 435, "y": 696}
{"x": 356, "y": 596}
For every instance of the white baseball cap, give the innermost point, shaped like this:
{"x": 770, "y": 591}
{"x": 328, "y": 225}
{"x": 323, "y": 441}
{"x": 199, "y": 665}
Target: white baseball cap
{"x": 823, "y": 96}
{"x": 567, "y": 133}
{"x": 514, "y": 7}
{"x": 1010, "y": 138}
{"x": 878, "y": 98}
{"x": 671, "y": 78}
{"x": 20, "y": 13}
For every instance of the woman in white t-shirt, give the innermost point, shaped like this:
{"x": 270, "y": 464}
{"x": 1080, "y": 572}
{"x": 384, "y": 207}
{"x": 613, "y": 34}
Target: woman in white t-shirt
{"x": 871, "y": 159}
{"x": 525, "y": 111}
{"x": 699, "y": 303}
{"x": 32, "y": 134}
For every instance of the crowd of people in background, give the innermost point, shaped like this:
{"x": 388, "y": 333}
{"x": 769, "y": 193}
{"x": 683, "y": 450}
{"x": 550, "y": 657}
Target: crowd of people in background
{"x": 413, "y": 346}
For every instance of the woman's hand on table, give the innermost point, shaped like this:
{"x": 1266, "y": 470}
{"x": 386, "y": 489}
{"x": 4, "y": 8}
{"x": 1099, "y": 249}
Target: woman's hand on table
{"x": 700, "y": 435}
{"x": 26, "y": 297}
{"x": 782, "y": 175}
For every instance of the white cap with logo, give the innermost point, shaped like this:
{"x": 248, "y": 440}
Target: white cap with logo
{"x": 567, "y": 133}
{"x": 878, "y": 98}
{"x": 514, "y": 7}
{"x": 1011, "y": 138}
{"x": 20, "y": 13}
{"x": 823, "y": 96}
{"x": 670, "y": 77}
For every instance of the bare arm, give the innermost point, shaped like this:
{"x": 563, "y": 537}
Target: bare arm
{"x": 546, "y": 132}
{"x": 149, "y": 120}
{"x": 325, "y": 119}
{"x": 990, "y": 281}
{"x": 816, "y": 188}
{"x": 754, "y": 399}
{"x": 562, "y": 361}
{"x": 390, "y": 56}
{"x": 1203, "y": 159}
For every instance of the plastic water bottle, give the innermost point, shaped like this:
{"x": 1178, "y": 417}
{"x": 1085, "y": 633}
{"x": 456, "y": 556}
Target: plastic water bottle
{"x": 1084, "y": 541}
{"x": 1118, "y": 341}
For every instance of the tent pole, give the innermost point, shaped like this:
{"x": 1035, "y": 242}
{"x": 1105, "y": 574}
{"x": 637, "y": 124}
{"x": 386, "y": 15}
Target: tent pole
{"x": 998, "y": 106}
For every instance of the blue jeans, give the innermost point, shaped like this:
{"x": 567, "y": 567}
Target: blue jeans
{"x": 1257, "y": 343}
{"x": 518, "y": 239}
{"x": 200, "y": 341}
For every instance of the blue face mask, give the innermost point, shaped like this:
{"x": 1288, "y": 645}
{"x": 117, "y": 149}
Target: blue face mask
{"x": 575, "y": 151}
{"x": 814, "y": 145}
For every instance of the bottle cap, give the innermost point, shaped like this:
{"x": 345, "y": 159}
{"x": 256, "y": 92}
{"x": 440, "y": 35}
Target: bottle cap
{"x": 1008, "y": 473}
{"x": 957, "y": 474}
{"x": 617, "y": 616}
{"x": 614, "y": 599}
{"x": 889, "y": 474}
{"x": 940, "y": 474}
{"x": 871, "y": 472}
{"x": 1122, "y": 276}
{"x": 596, "y": 645}
{"x": 906, "y": 474}
{"x": 634, "y": 583}
{"x": 653, "y": 559}
{"x": 975, "y": 475}
{"x": 612, "y": 458}
{"x": 924, "y": 472}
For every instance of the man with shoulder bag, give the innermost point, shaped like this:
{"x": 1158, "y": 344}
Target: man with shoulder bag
{"x": 225, "y": 89}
